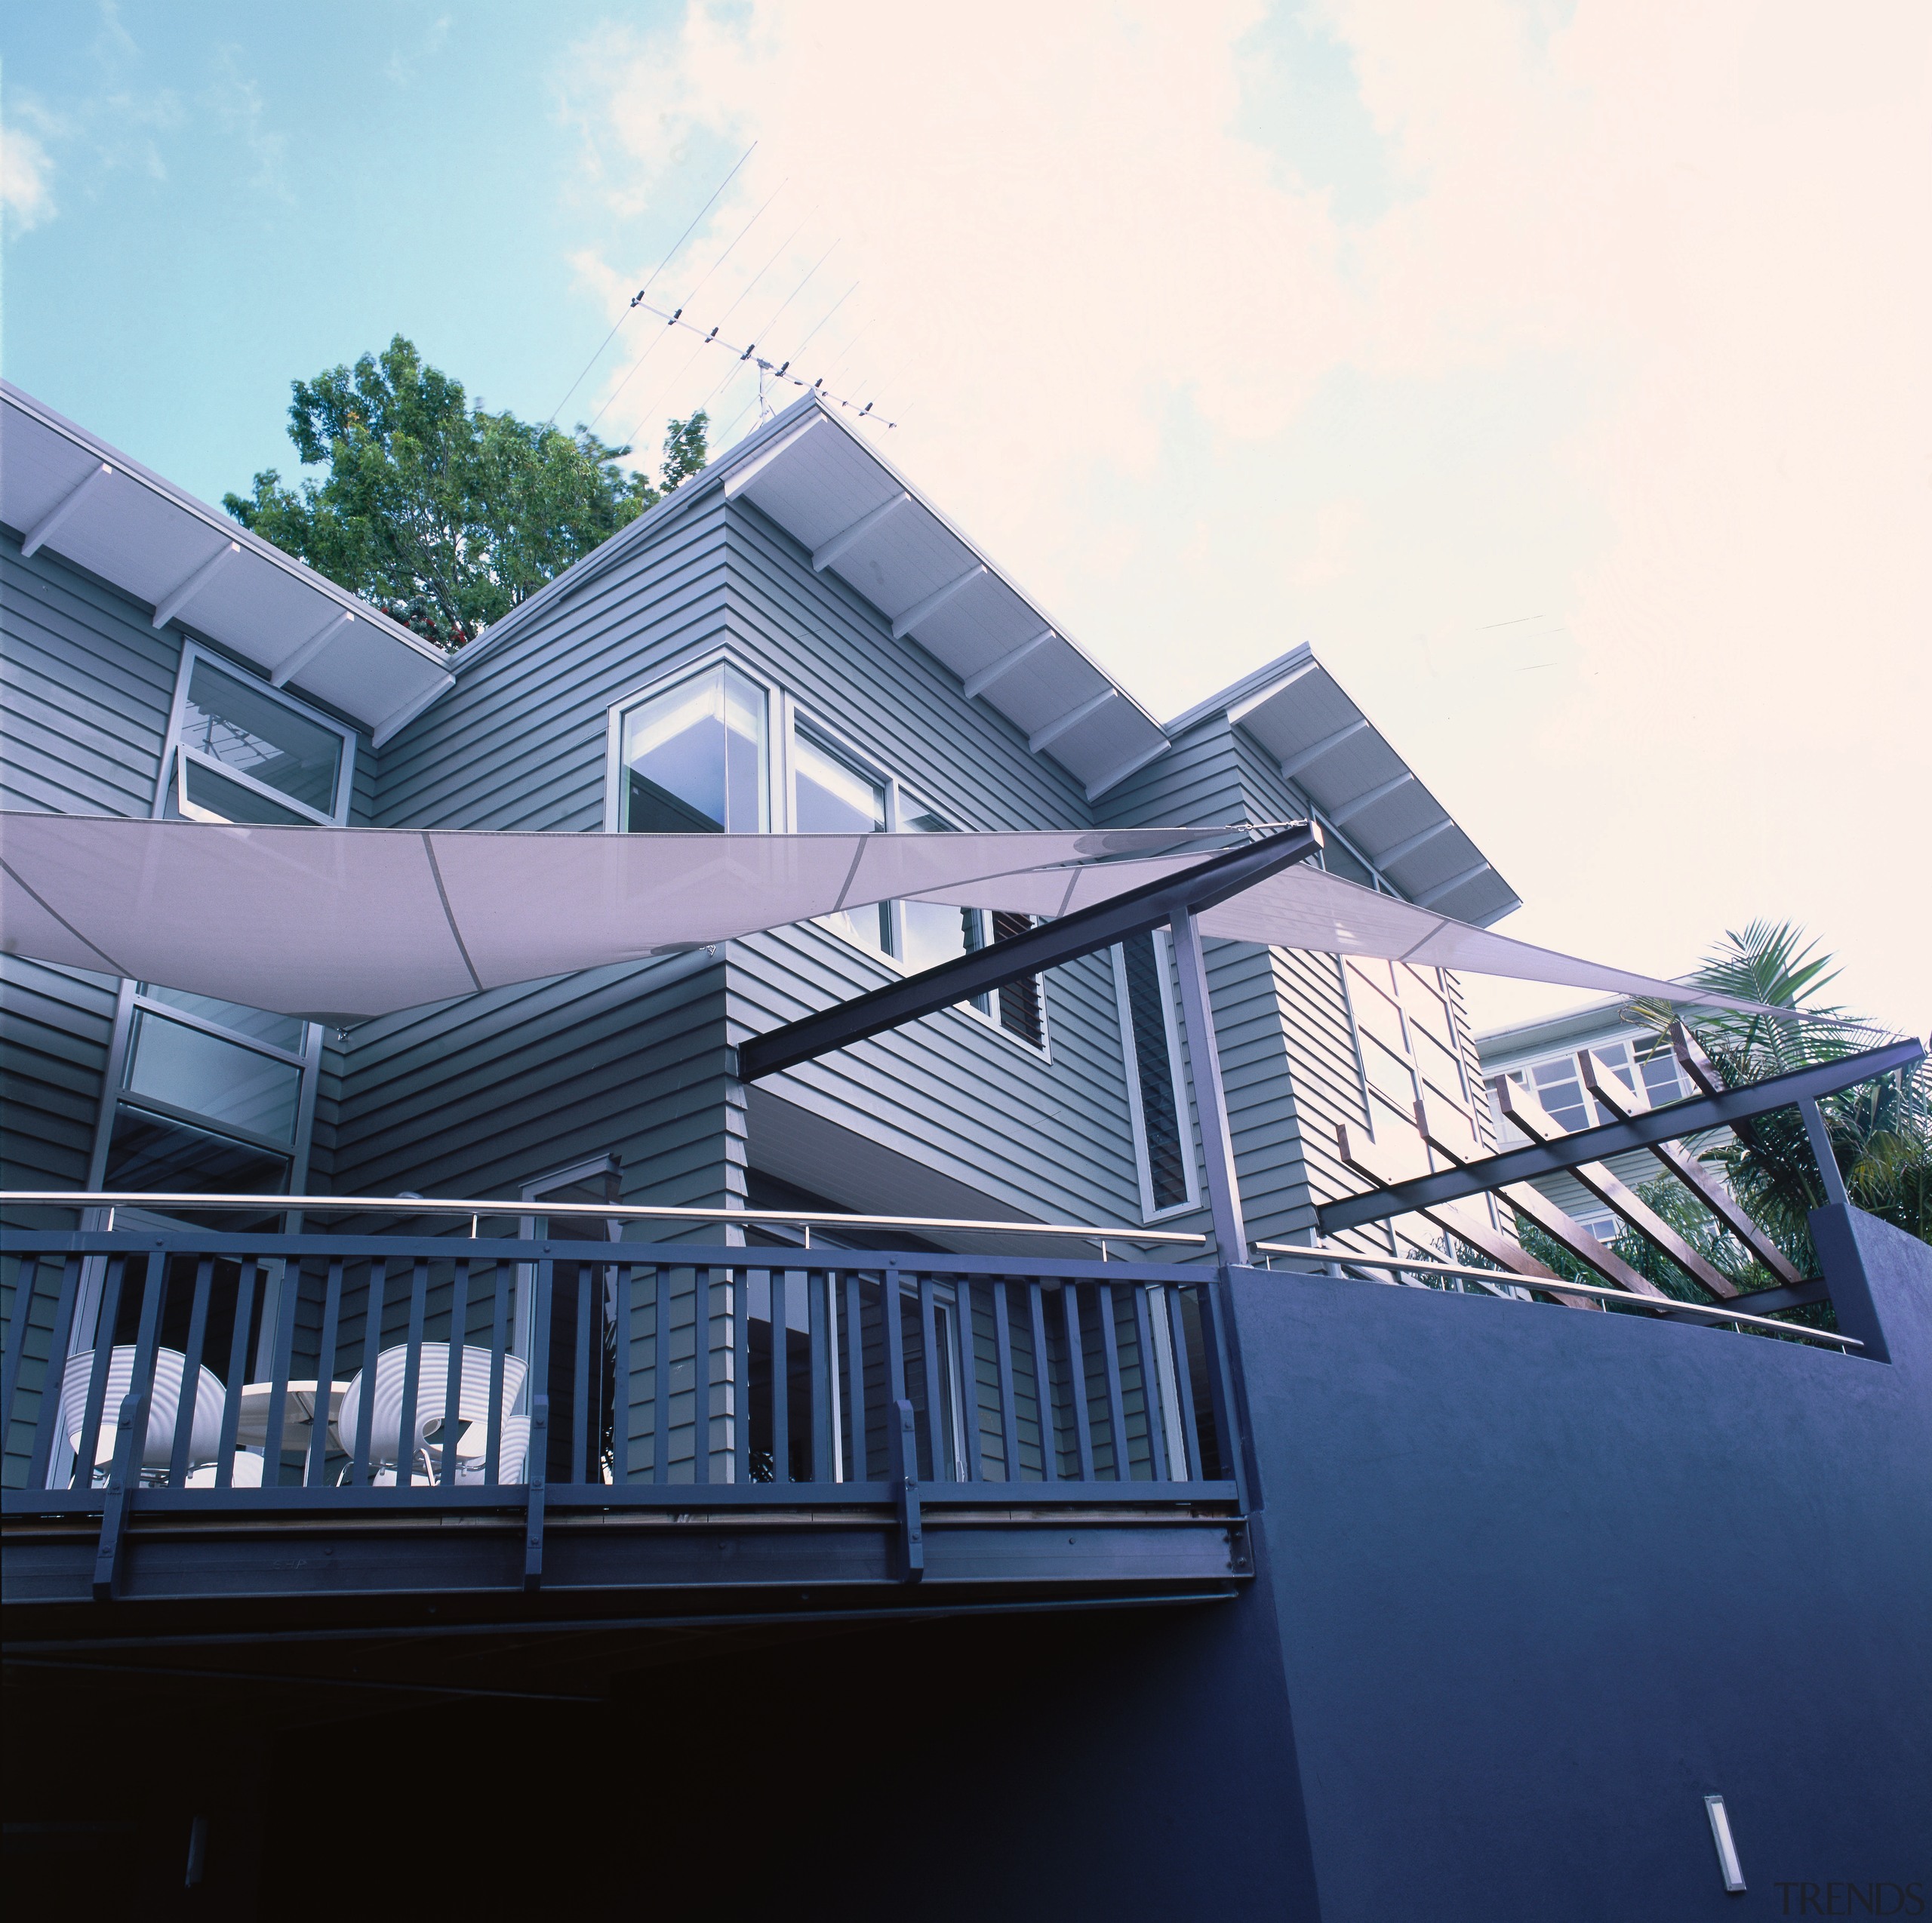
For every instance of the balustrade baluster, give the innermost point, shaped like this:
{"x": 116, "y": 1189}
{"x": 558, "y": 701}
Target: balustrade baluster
{"x": 453, "y": 1375}
{"x": 1043, "y": 1383}
{"x": 1009, "y": 1411}
{"x": 106, "y": 1316}
{"x": 412, "y": 1374}
{"x": 247, "y": 1274}
{"x": 318, "y": 1434}
{"x": 1076, "y": 1374}
{"x": 188, "y": 1406}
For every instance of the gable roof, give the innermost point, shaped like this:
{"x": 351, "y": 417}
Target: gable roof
{"x": 1296, "y": 710}
{"x": 63, "y": 488}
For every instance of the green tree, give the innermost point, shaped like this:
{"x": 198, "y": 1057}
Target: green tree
{"x": 441, "y": 513}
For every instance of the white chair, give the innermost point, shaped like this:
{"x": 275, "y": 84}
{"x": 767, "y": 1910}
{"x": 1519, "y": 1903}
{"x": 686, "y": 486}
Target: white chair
{"x": 513, "y": 1452}
{"x": 163, "y": 1409}
{"x": 386, "y": 1447}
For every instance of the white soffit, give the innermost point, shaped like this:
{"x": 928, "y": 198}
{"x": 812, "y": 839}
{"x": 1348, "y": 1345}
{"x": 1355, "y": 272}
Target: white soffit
{"x": 62, "y": 488}
{"x": 1325, "y": 745}
{"x": 834, "y": 496}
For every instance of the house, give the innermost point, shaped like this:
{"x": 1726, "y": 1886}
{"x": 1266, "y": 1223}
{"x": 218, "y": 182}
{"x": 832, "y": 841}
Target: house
{"x": 1542, "y": 1056}
{"x": 794, "y": 639}
{"x": 516, "y": 1455}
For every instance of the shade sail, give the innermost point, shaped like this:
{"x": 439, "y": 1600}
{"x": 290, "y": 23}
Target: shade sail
{"x": 340, "y": 924}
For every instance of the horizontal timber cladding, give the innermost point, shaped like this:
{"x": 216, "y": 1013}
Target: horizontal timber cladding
{"x": 88, "y": 686}
{"x": 56, "y": 1025}
{"x": 480, "y": 1095}
{"x": 1037, "y": 1133}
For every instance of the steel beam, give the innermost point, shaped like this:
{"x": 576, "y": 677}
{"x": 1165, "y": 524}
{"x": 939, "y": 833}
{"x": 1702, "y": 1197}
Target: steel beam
{"x": 1048, "y": 946}
{"x": 1724, "y": 1110}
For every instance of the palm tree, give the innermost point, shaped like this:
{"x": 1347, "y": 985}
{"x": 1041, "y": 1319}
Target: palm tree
{"x": 1881, "y": 1130}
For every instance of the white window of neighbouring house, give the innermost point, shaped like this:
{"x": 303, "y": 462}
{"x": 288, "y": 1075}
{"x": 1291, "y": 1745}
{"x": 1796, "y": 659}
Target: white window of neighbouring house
{"x": 1150, "y": 1035}
{"x": 240, "y": 750}
{"x": 693, "y": 758}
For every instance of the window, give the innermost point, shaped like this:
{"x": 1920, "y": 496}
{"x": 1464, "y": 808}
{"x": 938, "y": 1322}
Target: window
{"x": 693, "y": 759}
{"x": 205, "y": 1095}
{"x": 834, "y": 797}
{"x": 1559, "y": 1085}
{"x": 241, "y": 751}
{"x": 1143, "y": 982}
{"x": 210, "y": 1096}
{"x": 713, "y": 750}
{"x": 933, "y": 933}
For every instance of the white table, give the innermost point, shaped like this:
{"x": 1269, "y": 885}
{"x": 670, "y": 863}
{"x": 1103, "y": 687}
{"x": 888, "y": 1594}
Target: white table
{"x": 298, "y": 1419}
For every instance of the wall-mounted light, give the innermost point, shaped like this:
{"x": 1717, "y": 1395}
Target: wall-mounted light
{"x": 1727, "y": 1862}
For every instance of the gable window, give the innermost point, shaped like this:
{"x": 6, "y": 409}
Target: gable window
{"x": 1150, "y": 1033}
{"x": 693, "y": 759}
{"x": 243, "y": 751}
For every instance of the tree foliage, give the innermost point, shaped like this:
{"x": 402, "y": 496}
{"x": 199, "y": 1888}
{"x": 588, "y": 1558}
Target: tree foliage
{"x": 1881, "y": 1130}
{"x": 442, "y": 514}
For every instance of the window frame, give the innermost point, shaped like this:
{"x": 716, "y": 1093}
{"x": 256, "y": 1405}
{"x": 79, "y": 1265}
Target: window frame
{"x": 1143, "y": 1169}
{"x": 130, "y": 1001}
{"x": 175, "y": 753}
{"x": 777, "y": 813}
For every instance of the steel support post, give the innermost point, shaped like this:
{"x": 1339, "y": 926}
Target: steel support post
{"x": 1210, "y": 1100}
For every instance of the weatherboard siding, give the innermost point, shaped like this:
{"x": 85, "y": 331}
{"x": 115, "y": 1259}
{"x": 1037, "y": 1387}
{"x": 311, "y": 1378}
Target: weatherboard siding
{"x": 88, "y": 685}
{"x": 1040, "y": 1135}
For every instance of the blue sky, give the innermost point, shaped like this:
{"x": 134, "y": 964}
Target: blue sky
{"x": 1556, "y": 370}
{"x": 248, "y": 194}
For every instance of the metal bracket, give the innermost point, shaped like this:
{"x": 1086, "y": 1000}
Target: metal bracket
{"x": 901, "y": 1445}
{"x": 538, "y": 1460}
{"x": 114, "y": 1511}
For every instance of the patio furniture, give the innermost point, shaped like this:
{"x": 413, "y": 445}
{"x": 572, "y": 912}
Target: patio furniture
{"x": 163, "y": 1409}
{"x": 246, "y": 1473}
{"x": 298, "y": 1414}
{"x": 386, "y": 1446}
{"x": 513, "y": 1464}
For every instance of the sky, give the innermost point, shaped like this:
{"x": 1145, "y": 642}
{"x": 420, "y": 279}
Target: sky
{"x": 1558, "y": 371}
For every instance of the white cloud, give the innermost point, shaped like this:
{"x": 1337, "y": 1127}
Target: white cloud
{"x": 1638, "y": 349}
{"x": 27, "y": 180}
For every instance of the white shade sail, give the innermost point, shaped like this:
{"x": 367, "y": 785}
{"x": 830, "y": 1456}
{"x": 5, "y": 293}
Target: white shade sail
{"x": 341, "y": 924}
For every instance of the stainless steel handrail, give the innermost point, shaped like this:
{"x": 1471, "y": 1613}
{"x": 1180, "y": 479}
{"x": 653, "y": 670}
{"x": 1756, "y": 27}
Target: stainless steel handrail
{"x": 1499, "y": 1278}
{"x": 588, "y": 1211}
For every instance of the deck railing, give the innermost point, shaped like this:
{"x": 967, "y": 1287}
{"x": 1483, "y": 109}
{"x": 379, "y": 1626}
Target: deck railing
{"x": 193, "y": 1371}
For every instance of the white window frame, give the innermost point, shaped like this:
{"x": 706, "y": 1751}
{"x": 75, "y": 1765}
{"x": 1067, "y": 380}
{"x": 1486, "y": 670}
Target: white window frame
{"x": 778, "y": 814}
{"x": 1143, "y": 1168}
{"x": 175, "y": 755}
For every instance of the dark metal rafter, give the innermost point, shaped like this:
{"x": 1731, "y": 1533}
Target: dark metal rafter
{"x": 1612, "y": 1138}
{"x": 1048, "y": 946}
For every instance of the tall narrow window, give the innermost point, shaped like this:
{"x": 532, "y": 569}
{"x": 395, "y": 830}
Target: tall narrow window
{"x": 693, "y": 758}
{"x": 1151, "y": 1044}
{"x": 834, "y": 797}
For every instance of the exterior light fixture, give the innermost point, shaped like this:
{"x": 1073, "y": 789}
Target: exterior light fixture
{"x": 1727, "y": 1862}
